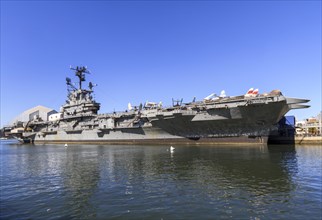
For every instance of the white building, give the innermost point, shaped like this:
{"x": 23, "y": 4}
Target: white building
{"x": 39, "y": 112}
{"x": 311, "y": 126}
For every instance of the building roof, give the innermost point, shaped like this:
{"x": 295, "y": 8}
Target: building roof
{"x": 44, "y": 112}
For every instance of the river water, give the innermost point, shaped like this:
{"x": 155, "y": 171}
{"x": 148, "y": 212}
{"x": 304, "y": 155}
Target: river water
{"x": 151, "y": 182}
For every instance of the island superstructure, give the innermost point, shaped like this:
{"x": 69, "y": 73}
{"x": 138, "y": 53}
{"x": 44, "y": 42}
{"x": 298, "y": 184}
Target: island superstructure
{"x": 216, "y": 119}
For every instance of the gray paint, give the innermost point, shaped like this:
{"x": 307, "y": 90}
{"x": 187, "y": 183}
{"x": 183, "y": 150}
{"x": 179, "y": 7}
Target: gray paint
{"x": 230, "y": 118}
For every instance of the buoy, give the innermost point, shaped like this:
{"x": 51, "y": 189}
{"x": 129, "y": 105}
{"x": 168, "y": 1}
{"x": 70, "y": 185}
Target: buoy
{"x": 66, "y": 145}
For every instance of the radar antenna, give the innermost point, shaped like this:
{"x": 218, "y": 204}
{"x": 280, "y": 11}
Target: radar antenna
{"x": 91, "y": 85}
{"x": 70, "y": 86}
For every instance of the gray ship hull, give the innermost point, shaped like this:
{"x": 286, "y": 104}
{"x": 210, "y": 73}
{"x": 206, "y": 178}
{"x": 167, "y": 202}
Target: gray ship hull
{"x": 256, "y": 120}
{"x": 151, "y": 136}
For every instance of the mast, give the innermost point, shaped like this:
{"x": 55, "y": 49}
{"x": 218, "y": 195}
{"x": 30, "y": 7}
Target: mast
{"x": 80, "y": 73}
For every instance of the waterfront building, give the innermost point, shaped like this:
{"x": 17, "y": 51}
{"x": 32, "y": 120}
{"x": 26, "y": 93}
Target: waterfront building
{"x": 310, "y": 126}
{"x": 39, "y": 112}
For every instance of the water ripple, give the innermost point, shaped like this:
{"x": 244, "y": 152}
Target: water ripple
{"x": 147, "y": 182}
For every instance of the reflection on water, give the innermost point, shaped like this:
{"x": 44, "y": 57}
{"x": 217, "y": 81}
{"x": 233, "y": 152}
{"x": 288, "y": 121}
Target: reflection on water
{"x": 148, "y": 182}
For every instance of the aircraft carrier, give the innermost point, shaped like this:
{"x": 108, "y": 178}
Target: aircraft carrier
{"x": 214, "y": 120}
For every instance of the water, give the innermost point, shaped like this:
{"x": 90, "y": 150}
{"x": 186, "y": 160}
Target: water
{"x": 150, "y": 182}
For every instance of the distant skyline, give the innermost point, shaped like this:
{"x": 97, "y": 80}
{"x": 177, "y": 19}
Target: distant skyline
{"x": 158, "y": 50}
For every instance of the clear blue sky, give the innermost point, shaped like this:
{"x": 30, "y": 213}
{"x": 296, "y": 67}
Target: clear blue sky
{"x": 155, "y": 51}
